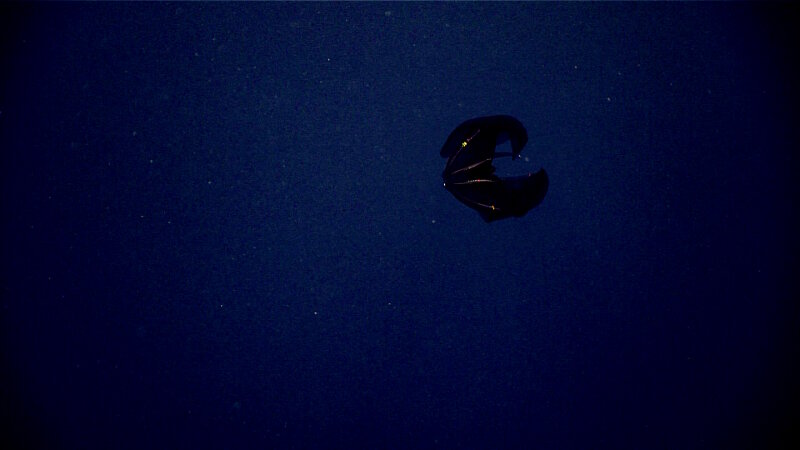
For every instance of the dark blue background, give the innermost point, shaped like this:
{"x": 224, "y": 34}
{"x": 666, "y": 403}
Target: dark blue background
{"x": 223, "y": 226}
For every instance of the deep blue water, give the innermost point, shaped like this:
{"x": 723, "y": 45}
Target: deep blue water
{"x": 223, "y": 226}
